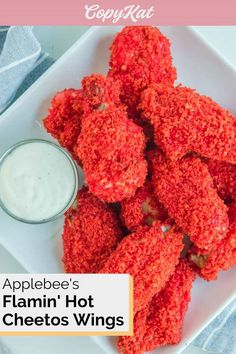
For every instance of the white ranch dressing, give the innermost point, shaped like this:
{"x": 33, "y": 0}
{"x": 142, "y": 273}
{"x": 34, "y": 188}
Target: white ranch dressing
{"x": 37, "y": 181}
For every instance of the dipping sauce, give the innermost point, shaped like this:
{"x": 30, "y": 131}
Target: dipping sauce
{"x": 38, "y": 181}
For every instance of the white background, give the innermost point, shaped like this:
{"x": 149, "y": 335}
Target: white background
{"x": 56, "y": 40}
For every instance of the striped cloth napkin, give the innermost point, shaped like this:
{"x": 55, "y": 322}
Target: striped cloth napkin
{"x": 220, "y": 335}
{"x": 22, "y": 61}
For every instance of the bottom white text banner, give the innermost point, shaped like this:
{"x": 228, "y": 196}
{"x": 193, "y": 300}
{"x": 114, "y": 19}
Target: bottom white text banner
{"x": 66, "y": 304}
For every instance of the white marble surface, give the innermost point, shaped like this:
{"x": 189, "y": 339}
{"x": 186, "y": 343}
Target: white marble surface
{"x": 56, "y": 40}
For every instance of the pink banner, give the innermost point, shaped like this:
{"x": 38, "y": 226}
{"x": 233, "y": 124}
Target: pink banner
{"x": 124, "y": 12}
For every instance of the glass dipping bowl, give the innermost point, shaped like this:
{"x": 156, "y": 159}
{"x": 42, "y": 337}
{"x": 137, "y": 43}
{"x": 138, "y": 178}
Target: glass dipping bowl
{"x": 70, "y": 164}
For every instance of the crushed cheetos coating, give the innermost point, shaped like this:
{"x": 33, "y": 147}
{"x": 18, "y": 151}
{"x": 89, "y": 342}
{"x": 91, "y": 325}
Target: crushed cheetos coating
{"x": 186, "y": 189}
{"x": 91, "y": 232}
{"x": 161, "y": 321}
{"x": 149, "y": 255}
{"x": 111, "y": 148}
{"x": 186, "y": 121}
{"x": 142, "y": 209}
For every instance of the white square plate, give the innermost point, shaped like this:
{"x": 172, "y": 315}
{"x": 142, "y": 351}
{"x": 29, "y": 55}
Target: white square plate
{"x": 38, "y": 248}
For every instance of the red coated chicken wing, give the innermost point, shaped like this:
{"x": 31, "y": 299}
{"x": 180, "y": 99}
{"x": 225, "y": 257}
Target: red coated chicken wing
{"x": 149, "y": 255}
{"x": 91, "y": 233}
{"x": 111, "y": 148}
{"x": 186, "y": 121}
{"x": 161, "y": 321}
{"x": 186, "y": 189}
